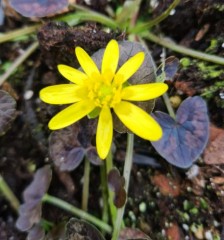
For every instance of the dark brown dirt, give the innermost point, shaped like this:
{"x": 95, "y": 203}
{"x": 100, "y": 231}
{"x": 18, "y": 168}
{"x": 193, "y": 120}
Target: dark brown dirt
{"x": 152, "y": 207}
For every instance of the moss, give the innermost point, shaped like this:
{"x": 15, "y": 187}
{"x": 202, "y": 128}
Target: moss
{"x": 219, "y": 7}
{"x": 214, "y": 44}
{"x": 209, "y": 71}
{"x": 185, "y": 62}
{"x": 205, "y": 69}
{"x": 213, "y": 93}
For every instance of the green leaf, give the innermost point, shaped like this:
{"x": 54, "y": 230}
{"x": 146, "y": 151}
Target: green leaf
{"x": 127, "y": 12}
{"x": 95, "y": 113}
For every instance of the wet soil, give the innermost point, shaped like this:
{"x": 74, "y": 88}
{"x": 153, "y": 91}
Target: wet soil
{"x": 162, "y": 199}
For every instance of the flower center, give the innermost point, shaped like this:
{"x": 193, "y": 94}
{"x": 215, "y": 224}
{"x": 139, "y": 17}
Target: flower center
{"x": 104, "y": 93}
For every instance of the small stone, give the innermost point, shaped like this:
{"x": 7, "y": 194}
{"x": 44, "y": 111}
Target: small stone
{"x": 175, "y": 101}
{"x": 185, "y": 227}
{"x": 172, "y": 12}
{"x": 28, "y": 95}
{"x": 142, "y": 207}
{"x": 208, "y": 235}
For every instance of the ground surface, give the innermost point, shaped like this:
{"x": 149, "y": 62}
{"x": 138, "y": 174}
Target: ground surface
{"x": 163, "y": 200}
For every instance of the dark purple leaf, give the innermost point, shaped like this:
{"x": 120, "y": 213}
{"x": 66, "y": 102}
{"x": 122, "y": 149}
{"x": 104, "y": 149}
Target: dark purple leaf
{"x": 93, "y": 157}
{"x": 120, "y": 198}
{"x": 39, "y": 186}
{"x": 7, "y": 111}
{"x": 116, "y": 183}
{"x": 87, "y": 131}
{"x": 185, "y": 138}
{"x": 65, "y": 150}
{"x": 36, "y": 233}
{"x": 66, "y": 159}
{"x": 115, "y": 180}
{"x": 38, "y": 8}
{"x": 69, "y": 145}
{"x": 74, "y": 158}
{"x": 29, "y": 214}
{"x": 171, "y": 66}
{"x": 79, "y": 229}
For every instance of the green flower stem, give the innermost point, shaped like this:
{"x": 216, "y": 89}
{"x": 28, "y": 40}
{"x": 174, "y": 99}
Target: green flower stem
{"x": 85, "y": 190}
{"x": 104, "y": 189}
{"x": 9, "y": 195}
{"x": 76, "y": 211}
{"x": 169, "y": 106}
{"x": 85, "y": 14}
{"x": 18, "y": 33}
{"x": 145, "y": 26}
{"x": 18, "y": 61}
{"x": 109, "y": 166}
{"x": 183, "y": 50}
{"x": 75, "y": 18}
{"x": 126, "y": 175}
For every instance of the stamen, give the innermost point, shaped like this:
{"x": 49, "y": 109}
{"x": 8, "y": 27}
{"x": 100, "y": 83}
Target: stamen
{"x": 104, "y": 92}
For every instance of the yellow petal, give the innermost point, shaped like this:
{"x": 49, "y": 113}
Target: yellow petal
{"x": 63, "y": 94}
{"x": 129, "y": 67}
{"x": 144, "y": 92}
{"x": 72, "y": 74}
{"x": 138, "y": 121}
{"x": 86, "y": 62}
{"x": 110, "y": 60}
{"x": 104, "y": 132}
{"x": 71, "y": 114}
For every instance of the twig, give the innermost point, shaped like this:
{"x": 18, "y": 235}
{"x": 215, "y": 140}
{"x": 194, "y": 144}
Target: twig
{"x": 19, "y": 61}
{"x": 9, "y": 195}
{"x": 183, "y": 50}
{"x": 18, "y": 33}
{"x": 85, "y": 190}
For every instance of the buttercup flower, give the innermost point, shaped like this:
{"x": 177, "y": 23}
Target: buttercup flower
{"x": 104, "y": 91}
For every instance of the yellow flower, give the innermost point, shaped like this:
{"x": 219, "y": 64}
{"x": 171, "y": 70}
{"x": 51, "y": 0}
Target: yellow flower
{"x": 105, "y": 91}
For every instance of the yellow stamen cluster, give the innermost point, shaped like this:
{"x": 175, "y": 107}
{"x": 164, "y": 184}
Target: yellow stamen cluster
{"x": 104, "y": 93}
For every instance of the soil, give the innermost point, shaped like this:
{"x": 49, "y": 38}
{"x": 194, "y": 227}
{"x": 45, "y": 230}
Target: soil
{"x": 163, "y": 201}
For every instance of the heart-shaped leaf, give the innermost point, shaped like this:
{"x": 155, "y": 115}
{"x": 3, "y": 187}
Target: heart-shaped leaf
{"x": 68, "y": 146}
{"x": 7, "y": 111}
{"x": 185, "y": 138}
{"x": 38, "y": 8}
{"x": 65, "y": 149}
